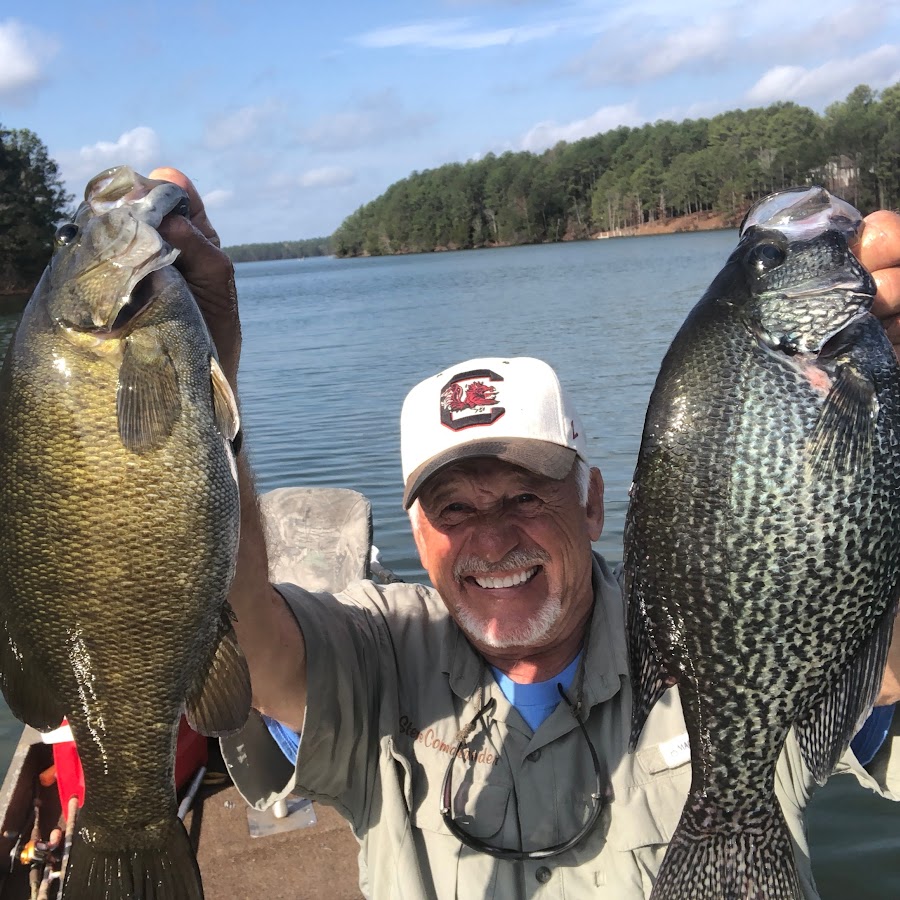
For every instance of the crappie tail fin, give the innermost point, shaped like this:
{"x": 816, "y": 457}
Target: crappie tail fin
{"x": 166, "y": 872}
{"x": 706, "y": 861}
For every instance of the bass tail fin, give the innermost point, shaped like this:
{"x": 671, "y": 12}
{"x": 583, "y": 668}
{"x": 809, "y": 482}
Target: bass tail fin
{"x": 711, "y": 859}
{"x": 167, "y": 872}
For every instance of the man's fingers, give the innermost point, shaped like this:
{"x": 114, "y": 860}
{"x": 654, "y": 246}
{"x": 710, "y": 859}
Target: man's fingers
{"x": 198, "y": 213}
{"x": 879, "y": 245}
{"x": 887, "y": 301}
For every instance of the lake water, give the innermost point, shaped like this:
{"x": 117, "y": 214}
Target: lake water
{"x": 332, "y": 346}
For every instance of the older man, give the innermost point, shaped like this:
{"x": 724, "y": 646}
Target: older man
{"x": 475, "y": 734}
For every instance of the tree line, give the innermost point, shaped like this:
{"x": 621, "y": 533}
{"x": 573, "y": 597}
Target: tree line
{"x": 620, "y": 179}
{"x": 320, "y": 246}
{"x": 628, "y": 177}
{"x": 33, "y": 202}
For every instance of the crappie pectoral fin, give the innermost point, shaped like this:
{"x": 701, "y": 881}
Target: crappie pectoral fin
{"x": 220, "y": 703}
{"x": 710, "y": 858}
{"x": 28, "y": 691}
{"x": 844, "y": 434}
{"x": 228, "y": 417}
{"x": 647, "y": 674}
{"x": 827, "y": 729}
{"x": 147, "y": 402}
{"x": 169, "y": 872}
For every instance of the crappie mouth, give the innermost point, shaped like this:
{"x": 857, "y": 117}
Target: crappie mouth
{"x": 109, "y": 262}
{"x": 801, "y": 213}
{"x": 805, "y": 284}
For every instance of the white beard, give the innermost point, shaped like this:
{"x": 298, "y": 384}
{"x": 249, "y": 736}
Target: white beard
{"x": 489, "y": 632}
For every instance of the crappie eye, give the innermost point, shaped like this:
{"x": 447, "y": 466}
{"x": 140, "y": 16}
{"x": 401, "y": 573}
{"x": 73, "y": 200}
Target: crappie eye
{"x": 65, "y": 234}
{"x": 766, "y": 256}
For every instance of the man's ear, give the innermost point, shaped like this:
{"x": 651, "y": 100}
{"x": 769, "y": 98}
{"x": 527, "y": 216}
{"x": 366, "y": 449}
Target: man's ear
{"x": 594, "y": 508}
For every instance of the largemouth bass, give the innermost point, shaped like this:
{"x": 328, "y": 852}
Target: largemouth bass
{"x": 763, "y": 536}
{"x": 119, "y": 532}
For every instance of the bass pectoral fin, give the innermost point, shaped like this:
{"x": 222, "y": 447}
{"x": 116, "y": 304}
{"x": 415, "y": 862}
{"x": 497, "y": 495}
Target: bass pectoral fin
{"x": 29, "y": 693}
{"x": 220, "y": 702}
{"x": 228, "y": 417}
{"x": 826, "y": 730}
{"x": 843, "y": 437}
{"x": 148, "y": 403}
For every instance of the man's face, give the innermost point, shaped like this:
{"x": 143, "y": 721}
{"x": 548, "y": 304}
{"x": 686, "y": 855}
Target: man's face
{"x": 510, "y": 553}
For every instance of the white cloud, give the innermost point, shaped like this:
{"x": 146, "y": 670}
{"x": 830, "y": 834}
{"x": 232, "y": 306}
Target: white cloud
{"x": 23, "y": 54}
{"x": 454, "y": 34}
{"x": 217, "y": 198}
{"x": 239, "y": 126}
{"x": 138, "y": 148}
{"x": 376, "y": 119}
{"x": 327, "y": 176}
{"x": 635, "y": 52}
{"x": 877, "y": 68}
{"x": 546, "y": 134}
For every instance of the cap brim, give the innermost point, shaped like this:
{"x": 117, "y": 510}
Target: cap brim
{"x": 541, "y": 457}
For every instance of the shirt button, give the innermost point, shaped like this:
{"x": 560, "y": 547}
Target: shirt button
{"x": 534, "y": 756}
{"x": 543, "y": 874}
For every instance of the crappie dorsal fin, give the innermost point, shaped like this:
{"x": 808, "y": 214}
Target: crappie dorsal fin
{"x": 842, "y": 441}
{"x": 220, "y": 703}
{"x": 148, "y": 403}
{"x": 706, "y": 861}
{"x": 825, "y": 732}
{"x": 28, "y": 692}
{"x": 228, "y": 417}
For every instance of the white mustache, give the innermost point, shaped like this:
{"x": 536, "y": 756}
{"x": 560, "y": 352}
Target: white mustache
{"x": 517, "y": 559}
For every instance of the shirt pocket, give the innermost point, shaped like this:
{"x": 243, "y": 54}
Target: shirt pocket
{"x": 479, "y": 794}
{"x": 650, "y": 810}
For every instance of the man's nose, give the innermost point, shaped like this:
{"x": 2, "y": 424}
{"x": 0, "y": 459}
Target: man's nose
{"x": 494, "y": 536}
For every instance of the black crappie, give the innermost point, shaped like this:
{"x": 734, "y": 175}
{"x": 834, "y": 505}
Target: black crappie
{"x": 762, "y": 543}
{"x": 119, "y": 532}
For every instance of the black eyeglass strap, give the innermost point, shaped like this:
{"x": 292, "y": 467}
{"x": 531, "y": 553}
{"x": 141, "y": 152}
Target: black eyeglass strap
{"x": 503, "y": 852}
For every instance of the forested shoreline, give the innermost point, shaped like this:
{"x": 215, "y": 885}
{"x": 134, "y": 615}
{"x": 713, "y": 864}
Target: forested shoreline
{"x": 628, "y": 177}
{"x": 620, "y": 181}
{"x": 320, "y": 246}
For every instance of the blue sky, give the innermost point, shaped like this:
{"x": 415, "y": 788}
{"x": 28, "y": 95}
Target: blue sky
{"x": 288, "y": 116}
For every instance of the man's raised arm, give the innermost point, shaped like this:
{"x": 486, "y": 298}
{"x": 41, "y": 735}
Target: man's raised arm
{"x": 268, "y": 633}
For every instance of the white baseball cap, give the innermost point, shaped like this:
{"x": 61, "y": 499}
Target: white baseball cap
{"x": 511, "y": 409}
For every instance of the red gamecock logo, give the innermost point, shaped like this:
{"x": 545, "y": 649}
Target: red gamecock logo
{"x": 477, "y": 394}
{"x": 470, "y": 398}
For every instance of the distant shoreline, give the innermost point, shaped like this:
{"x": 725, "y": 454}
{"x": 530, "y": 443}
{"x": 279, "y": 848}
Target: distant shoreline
{"x": 703, "y": 221}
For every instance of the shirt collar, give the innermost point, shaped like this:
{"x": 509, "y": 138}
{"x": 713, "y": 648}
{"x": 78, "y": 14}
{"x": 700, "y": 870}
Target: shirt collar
{"x": 605, "y": 663}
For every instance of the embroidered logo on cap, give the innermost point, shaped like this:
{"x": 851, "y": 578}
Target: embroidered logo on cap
{"x": 470, "y": 398}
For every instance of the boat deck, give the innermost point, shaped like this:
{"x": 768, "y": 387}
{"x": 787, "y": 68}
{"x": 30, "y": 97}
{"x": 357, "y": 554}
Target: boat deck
{"x": 319, "y": 861}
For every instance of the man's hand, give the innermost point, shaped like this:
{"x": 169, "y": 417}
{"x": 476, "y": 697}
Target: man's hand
{"x": 879, "y": 252}
{"x": 208, "y": 271}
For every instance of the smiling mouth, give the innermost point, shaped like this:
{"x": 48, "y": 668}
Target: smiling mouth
{"x": 506, "y": 581}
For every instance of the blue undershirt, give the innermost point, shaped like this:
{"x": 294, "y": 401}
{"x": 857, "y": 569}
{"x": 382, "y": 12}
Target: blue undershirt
{"x": 536, "y": 701}
{"x": 872, "y": 735}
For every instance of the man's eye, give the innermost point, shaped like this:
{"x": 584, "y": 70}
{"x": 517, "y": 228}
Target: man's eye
{"x": 454, "y": 513}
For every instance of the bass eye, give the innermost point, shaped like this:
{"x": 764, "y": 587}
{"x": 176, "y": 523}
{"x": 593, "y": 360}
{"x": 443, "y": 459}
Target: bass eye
{"x": 764, "y": 257}
{"x": 65, "y": 234}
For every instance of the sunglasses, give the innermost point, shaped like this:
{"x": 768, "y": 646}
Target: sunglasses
{"x": 504, "y": 852}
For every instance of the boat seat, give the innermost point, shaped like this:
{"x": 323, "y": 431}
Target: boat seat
{"x": 318, "y": 538}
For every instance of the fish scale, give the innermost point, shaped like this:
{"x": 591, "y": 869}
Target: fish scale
{"x": 763, "y": 546}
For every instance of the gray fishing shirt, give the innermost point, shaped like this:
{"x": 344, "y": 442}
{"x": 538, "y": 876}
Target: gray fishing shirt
{"x": 392, "y": 681}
